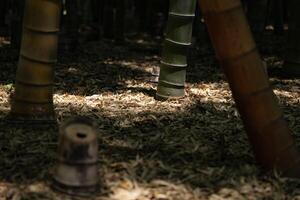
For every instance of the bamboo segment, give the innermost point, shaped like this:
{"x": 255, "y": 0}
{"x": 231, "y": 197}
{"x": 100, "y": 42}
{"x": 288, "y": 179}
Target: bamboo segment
{"x": 33, "y": 97}
{"x": 174, "y": 54}
{"x": 292, "y": 59}
{"x": 269, "y": 135}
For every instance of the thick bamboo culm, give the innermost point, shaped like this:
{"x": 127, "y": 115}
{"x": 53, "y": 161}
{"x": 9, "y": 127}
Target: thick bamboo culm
{"x": 269, "y": 135}
{"x": 33, "y": 97}
{"x": 292, "y": 58}
{"x": 174, "y": 55}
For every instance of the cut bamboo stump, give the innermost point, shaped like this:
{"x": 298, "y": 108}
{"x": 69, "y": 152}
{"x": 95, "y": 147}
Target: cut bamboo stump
{"x": 76, "y": 172}
{"x": 269, "y": 135}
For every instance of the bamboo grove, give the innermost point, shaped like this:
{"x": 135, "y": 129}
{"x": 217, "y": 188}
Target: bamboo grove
{"x": 235, "y": 48}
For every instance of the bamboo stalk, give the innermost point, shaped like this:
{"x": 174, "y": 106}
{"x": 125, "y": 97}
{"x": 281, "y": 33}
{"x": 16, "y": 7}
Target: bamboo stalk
{"x": 68, "y": 40}
{"x": 174, "y": 55}
{"x": 3, "y": 7}
{"x": 114, "y": 14}
{"x": 277, "y": 14}
{"x": 269, "y": 135}
{"x": 292, "y": 58}
{"x": 16, "y": 23}
{"x": 257, "y": 15}
{"x": 33, "y": 97}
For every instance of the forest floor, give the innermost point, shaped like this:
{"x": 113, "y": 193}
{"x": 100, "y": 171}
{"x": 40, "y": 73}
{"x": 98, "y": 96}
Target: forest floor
{"x": 192, "y": 148}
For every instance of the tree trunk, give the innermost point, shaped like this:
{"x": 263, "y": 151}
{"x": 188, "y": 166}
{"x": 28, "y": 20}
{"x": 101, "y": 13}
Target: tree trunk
{"x": 269, "y": 135}
{"x": 33, "y": 97}
{"x": 174, "y": 54}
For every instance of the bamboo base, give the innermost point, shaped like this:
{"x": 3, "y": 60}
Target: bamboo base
{"x": 167, "y": 91}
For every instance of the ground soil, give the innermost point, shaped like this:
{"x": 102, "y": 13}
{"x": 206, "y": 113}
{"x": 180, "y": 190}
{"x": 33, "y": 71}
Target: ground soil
{"x": 187, "y": 149}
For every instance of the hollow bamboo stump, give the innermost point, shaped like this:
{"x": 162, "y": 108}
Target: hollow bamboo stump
{"x": 174, "y": 55}
{"x": 292, "y": 59}
{"x": 269, "y": 135}
{"x": 76, "y": 171}
{"x": 33, "y": 97}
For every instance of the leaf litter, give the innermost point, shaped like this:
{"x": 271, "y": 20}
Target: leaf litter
{"x": 192, "y": 148}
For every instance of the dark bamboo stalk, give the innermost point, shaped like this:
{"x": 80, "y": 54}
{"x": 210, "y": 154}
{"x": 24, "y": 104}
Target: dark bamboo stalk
{"x": 277, "y": 15}
{"x": 16, "y": 23}
{"x": 3, "y": 12}
{"x": 174, "y": 54}
{"x": 33, "y": 97}
{"x": 257, "y": 15}
{"x": 114, "y": 14}
{"x": 3, "y": 7}
{"x": 68, "y": 39}
{"x": 292, "y": 58}
{"x": 269, "y": 135}
{"x": 108, "y": 19}
{"x": 120, "y": 10}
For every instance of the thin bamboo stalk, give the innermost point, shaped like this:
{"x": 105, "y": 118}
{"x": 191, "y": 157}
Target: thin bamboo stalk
{"x": 3, "y": 7}
{"x": 114, "y": 16}
{"x": 257, "y": 15}
{"x": 16, "y": 23}
{"x": 174, "y": 55}
{"x": 269, "y": 135}
{"x": 292, "y": 58}
{"x": 68, "y": 39}
{"x": 277, "y": 15}
{"x": 33, "y": 97}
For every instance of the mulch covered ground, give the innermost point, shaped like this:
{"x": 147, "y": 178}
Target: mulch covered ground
{"x": 188, "y": 149}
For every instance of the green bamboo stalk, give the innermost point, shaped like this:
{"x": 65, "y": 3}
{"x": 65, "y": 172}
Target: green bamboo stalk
{"x": 174, "y": 55}
{"x": 33, "y": 96}
{"x": 292, "y": 58}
